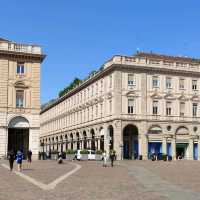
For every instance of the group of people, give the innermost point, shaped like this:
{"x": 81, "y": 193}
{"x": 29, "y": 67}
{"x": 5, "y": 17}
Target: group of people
{"x": 19, "y": 156}
{"x": 106, "y": 157}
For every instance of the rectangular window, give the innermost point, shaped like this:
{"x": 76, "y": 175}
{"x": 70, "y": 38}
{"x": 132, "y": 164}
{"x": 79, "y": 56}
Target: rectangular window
{"x": 96, "y": 111}
{"x": 168, "y": 83}
{"x": 19, "y": 98}
{"x": 110, "y": 81}
{"x": 20, "y": 68}
{"x": 155, "y": 107}
{"x": 181, "y": 83}
{"x": 168, "y": 108}
{"x": 130, "y": 106}
{"x": 194, "y": 109}
{"x": 131, "y": 80}
{"x": 101, "y": 109}
{"x": 182, "y": 109}
{"x": 194, "y": 84}
{"x": 110, "y": 102}
{"x": 155, "y": 82}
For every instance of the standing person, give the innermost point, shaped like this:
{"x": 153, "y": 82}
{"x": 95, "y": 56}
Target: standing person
{"x": 104, "y": 159}
{"x": 29, "y": 157}
{"x": 112, "y": 157}
{"x": 19, "y": 158}
{"x": 11, "y": 157}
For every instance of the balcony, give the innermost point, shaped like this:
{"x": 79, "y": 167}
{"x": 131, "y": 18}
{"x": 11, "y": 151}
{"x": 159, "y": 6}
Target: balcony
{"x": 20, "y": 48}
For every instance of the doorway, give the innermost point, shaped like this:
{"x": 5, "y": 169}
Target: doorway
{"x": 18, "y": 139}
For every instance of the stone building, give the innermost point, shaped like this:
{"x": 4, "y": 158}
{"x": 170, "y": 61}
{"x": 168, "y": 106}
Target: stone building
{"x": 19, "y": 97}
{"x": 137, "y": 105}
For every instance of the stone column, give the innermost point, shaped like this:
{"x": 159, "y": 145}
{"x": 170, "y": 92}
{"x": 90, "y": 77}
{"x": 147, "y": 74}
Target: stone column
{"x": 173, "y": 148}
{"x": 143, "y": 141}
{"x": 198, "y": 148}
{"x": 106, "y": 139}
{"x": 118, "y": 139}
{"x": 191, "y": 149}
{"x": 164, "y": 145}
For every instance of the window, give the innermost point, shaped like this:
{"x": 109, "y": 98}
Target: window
{"x": 194, "y": 84}
{"x": 168, "y": 108}
{"x": 182, "y": 109}
{"x": 182, "y": 83}
{"x": 110, "y": 81}
{"x": 194, "y": 109}
{"x": 19, "y": 98}
{"x": 110, "y": 102}
{"x": 155, "y": 107}
{"x": 130, "y": 106}
{"x": 101, "y": 109}
{"x": 101, "y": 86}
{"x": 168, "y": 83}
{"x": 131, "y": 80}
{"x": 96, "y": 110}
{"x": 20, "y": 68}
{"x": 155, "y": 82}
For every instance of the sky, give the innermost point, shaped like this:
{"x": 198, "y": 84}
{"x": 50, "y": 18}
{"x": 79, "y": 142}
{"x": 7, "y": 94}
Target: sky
{"x": 78, "y": 36}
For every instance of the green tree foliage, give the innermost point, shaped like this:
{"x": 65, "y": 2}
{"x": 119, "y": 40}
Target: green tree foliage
{"x": 72, "y": 85}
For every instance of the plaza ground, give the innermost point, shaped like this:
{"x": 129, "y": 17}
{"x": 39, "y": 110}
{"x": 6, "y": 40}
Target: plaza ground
{"x": 138, "y": 180}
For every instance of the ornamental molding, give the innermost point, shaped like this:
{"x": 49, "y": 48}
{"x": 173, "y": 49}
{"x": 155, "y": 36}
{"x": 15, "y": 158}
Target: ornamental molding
{"x": 169, "y": 96}
{"x": 195, "y": 97}
{"x": 109, "y": 95}
{"x": 182, "y": 97}
{"x": 132, "y": 94}
{"x": 156, "y": 96}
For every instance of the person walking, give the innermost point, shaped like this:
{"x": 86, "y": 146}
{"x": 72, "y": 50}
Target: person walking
{"x": 11, "y": 157}
{"x": 29, "y": 158}
{"x": 19, "y": 158}
{"x": 104, "y": 159}
{"x": 112, "y": 157}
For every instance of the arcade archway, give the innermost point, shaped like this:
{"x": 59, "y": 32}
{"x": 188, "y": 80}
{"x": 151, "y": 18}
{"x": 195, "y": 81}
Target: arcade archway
{"x": 130, "y": 142}
{"x": 18, "y": 135}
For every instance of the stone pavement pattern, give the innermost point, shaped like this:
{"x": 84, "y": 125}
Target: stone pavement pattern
{"x": 138, "y": 180}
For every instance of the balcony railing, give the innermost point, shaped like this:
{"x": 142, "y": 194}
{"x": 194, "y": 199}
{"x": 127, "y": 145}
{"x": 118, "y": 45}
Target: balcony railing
{"x": 13, "y": 47}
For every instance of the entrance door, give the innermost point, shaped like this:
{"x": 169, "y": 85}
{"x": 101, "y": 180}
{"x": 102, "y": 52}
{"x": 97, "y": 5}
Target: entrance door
{"x": 18, "y": 139}
{"x": 181, "y": 149}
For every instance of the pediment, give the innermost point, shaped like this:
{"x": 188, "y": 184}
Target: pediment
{"x": 20, "y": 84}
{"x": 109, "y": 95}
{"x": 195, "y": 97}
{"x": 156, "y": 96}
{"x": 169, "y": 96}
{"x": 182, "y": 97}
{"x": 132, "y": 94}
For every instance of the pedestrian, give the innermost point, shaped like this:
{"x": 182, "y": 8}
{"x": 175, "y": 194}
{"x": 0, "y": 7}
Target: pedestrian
{"x": 104, "y": 159}
{"x": 19, "y": 158}
{"x": 29, "y": 158}
{"x": 11, "y": 157}
{"x": 112, "y": 157}
{"x": 60, "y": 161}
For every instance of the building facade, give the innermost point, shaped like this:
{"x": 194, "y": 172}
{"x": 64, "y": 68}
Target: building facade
{"x": 19, "y": 97}
{"x": 137, "y": 105}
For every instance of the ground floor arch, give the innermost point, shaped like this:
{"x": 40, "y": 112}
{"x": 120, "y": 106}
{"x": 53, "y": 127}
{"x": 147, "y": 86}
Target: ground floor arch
{"x": 130, "y": 142}
{"x": 18, "y": 135}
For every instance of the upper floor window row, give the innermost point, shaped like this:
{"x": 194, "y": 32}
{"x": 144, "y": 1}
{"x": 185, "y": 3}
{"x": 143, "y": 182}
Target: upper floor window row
{"x": 168, "y": 83}
{"x": 20, "y": 68}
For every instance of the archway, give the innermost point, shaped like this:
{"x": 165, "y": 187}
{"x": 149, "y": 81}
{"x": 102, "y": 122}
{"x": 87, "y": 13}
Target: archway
{"x": 18, "y": 135}
{"x": 111, "y": 137}
{"x": 92, "y": 139}
{"x": 101, "y": 139}
{"x": 130, "y": 142}
{"x": 78, "y": 141}
{"x": 71, "y": 140}
{"x": 182, "y": 142}
{"x": 84, "y": 140}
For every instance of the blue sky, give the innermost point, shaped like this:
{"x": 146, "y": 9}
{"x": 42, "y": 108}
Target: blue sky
{"x": 79, "y": 36}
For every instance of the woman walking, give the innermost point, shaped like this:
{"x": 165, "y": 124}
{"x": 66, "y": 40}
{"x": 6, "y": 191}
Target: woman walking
{"x": 11, "y": 157}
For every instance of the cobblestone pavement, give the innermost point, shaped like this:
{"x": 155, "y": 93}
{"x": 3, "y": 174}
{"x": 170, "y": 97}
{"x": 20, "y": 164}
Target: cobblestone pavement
{"x": 138, "y": 180}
